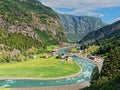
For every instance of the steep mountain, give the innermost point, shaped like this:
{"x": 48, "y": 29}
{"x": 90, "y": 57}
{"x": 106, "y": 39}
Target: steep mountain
{"x": 105, "y": 32}
{"x": 79, "y": 26}
{"x": 29, "y": 19}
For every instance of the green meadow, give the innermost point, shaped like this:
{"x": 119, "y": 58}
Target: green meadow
{"x": 74, "y": 49}
{"x": 5, "y": 89}
{"x": 52, "y": 47}
{"x": 39, "y": 68}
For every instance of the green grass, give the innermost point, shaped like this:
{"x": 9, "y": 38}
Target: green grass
{"x": 73, "y": 50}
{"x": 39, "y": 68}
{"x": 90, "y": 50}
{"x": 51, "y": 47}
{"x": 5, "y": 89}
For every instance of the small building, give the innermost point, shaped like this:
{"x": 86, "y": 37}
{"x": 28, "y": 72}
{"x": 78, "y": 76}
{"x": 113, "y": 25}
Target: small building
{"x": 69, "y": 59}
{"x": 96, "y": 58}
{"x": 92, "y": 57}
{"x": 54, "y": 52}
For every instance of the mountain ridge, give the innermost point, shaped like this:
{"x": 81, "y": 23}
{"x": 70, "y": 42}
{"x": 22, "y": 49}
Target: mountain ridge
{"x": 104, "y": 32}
{"x": 78, "y": 26}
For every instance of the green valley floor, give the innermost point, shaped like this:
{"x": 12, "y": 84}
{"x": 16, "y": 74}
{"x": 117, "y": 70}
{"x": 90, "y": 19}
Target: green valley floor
{"x": 39, "y": 68}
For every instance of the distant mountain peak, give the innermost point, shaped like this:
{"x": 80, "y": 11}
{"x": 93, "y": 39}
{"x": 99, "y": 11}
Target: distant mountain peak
{"x": 79, "y": 26}
{"x": 106, "y": 31}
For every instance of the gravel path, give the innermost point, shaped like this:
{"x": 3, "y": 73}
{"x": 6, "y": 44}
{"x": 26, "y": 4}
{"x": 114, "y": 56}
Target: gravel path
{"x": 65, "y": 87}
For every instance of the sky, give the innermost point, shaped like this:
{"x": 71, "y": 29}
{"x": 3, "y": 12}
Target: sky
{"x": 107, "y": 10}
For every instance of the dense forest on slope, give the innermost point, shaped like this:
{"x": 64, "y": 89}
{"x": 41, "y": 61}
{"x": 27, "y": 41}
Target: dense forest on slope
{"x": 20, "y": 42}
{"x": 109, "y": 78}
{"x": 19, "y": 10}
{"x": 46, "y": 37}
{"x": 110, "y": 42}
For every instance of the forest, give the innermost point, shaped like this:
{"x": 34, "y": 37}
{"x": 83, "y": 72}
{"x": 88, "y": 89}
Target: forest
{"x": 109, "y": 78}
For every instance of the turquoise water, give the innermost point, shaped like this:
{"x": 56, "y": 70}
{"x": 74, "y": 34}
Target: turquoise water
{"x": 83, "y": 77}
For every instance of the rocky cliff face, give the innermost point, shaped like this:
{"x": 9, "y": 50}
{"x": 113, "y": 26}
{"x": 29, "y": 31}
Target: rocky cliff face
{"x": 24, "y": 16}
{"x": 17, "y": 28}
{"x": 79, "y": 26}
{"x": 104, "y": 32}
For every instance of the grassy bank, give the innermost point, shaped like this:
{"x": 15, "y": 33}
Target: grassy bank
{"x": 74, "y": 50}
{"x": 39, "y": 68}
{"x": 90, "y": 50}
{"x": 5, "y": 89}
{"x": 52, "y": 47}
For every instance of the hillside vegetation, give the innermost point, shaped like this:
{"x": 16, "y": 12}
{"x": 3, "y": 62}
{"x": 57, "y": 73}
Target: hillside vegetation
{"x": 107, "y": 31}
{"x": 109, "y": 77}
{"x": 33, "y": 20}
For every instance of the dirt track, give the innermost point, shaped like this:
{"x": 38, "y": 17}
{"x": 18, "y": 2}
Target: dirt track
{"x": 65, "y": 87}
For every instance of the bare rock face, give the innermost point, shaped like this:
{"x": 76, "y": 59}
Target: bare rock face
{"x": 24, "y": 29}
{"x": 3, "y": 22}
{"x": 48, "y": 23}
{"x": 17, "y": 28}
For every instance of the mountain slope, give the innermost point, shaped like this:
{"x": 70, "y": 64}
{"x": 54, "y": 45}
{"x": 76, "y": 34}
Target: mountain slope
{"x": 79, "y": 26}
{"x": 104, "y": 32}
{"x": 109, "y": 77}
{"x": 32, "y": 19}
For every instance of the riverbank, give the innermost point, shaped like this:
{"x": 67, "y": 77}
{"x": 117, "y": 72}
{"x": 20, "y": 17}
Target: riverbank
{"x": 65, "y": 87}
{"x": 99, "y": 64}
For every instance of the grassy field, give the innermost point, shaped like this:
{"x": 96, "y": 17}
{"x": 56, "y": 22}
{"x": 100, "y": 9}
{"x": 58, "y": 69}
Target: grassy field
{"x": 39, "y": 68}
{"x": 5, "y": 89}
{"x": 90, "y": 50}
{"x": 73, "y": 50}
{"x": 49, "y": 48}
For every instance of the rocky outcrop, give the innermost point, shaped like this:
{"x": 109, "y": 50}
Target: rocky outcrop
{"x": 24, "y": 29}
{"x": 79, "y": 26}
{"x": 17, "y": 28}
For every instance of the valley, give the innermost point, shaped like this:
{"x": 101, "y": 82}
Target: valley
{"x": 40, "y": 47}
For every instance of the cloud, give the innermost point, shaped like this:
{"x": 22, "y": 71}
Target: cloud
{"x": 81, "y": 7}
{"x": 113, "y": 20}
{"x": 81, "y": 3}
{"x": 118, "y": 18}
{"x": 95, "y": 14}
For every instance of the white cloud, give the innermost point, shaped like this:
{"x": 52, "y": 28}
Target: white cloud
{"x": 118, "y": 18}
{"x": 113, "y": 20}
{"x": 79, "y": 3}
{"x": 82, "y": 6}
{"x": 95, "y": 14}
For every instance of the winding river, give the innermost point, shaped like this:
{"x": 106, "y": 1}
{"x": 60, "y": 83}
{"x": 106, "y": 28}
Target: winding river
{"x": 84, "y": 76}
